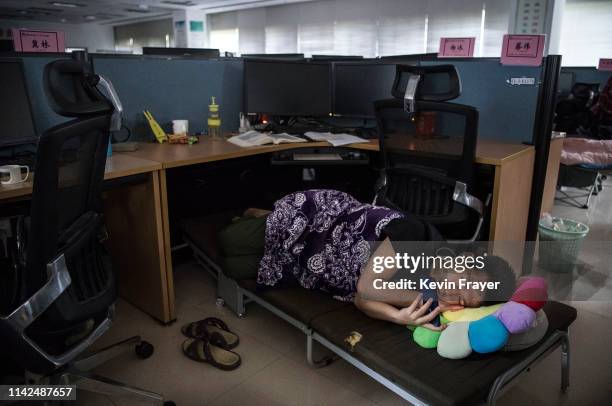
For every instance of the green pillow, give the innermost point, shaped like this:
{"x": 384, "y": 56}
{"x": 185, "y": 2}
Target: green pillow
{"x": 425, "y": 337}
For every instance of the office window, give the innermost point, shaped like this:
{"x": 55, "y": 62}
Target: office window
{"x": 315, "y": 28}
{"x": 402, "y": 28}
{"x": 224, "y": 32}
{"x": 586, "y": 32}
{"x": 362, "y": 27}
{"x": 459, "y": 18}
{"x": 155, "y": 33}
{"x": 252, "y": 31}
{"x": 356, "y": 27}
{"x": 496, "y": 24}
{"x": 281, "y": 34}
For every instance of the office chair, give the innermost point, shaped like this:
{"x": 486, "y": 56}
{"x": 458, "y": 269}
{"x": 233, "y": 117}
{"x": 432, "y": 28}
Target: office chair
{"x": 429, "y": 149}
{"x": 66, "y": 286}
{"x": 573, "y": 114}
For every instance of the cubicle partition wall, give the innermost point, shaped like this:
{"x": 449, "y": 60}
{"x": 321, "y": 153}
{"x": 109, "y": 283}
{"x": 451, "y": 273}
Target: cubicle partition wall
{"x": 173, "y": 89}
{"x": 506, "y": 96}
{"x": 33, "y": 66}
{"x": 582, "y": 74}
{"x": 510, "y": 99}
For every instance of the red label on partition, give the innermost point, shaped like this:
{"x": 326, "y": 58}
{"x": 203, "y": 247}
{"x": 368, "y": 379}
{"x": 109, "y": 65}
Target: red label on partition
{"x": 605, "y": 64}
{"x": 456, "y": 47}
{"x": 526, "y": 50}
{"x": 38, "y": 41}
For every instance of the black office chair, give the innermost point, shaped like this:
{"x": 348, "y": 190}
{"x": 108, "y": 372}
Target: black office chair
{"x": 66, "y": 286}
{"x": 573, "y": 114}
{"x": 429, "y": 150}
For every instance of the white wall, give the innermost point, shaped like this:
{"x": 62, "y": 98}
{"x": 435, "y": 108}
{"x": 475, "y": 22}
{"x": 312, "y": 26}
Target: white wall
{"x": 93, "y": 36}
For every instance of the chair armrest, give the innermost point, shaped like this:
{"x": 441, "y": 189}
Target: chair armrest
{"x": 461, "y": 195}
{"x": 31, "y": 309}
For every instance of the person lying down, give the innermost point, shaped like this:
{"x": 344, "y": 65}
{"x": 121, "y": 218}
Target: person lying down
{"x": 326, "y": 240}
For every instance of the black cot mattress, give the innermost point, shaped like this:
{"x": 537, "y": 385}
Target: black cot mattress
{"x": 390, "y": 350}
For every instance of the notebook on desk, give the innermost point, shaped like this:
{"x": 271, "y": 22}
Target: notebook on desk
{"x": 255, "y": 138}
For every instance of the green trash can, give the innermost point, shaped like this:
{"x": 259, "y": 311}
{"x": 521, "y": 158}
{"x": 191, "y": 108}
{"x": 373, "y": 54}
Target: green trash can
{"x": 559, "y": 249}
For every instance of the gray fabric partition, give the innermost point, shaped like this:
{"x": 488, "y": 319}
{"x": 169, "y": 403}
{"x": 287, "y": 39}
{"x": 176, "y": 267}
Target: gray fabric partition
{"x": 173, "y": 89}
{"x": 588, "y": 75}
{"x": 507, "y": 109}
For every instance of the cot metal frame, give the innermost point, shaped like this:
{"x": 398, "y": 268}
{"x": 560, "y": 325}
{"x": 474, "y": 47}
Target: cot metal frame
{"x": 232, "y": 295}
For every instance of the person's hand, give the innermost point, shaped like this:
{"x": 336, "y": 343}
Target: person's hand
{"x": 415, "y": 314}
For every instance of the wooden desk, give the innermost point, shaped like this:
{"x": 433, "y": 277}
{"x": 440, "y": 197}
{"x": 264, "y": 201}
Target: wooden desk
{"x": 513, "y": 168}
{"x": 133, "y": 219}
{"x": 171, "y": 156}
{"x": 117, "y": 166}
{"x": 138, "y": 222}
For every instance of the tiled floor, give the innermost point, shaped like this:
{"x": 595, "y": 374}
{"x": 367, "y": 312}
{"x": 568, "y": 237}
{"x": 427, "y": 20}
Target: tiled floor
{"x": 274, "y": 370}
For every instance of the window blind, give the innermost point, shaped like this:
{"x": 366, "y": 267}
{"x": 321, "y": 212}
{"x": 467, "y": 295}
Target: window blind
{"x": 224, "y": 32}
{"x": 586, "y": 32}
{"x": 362, "y": 27}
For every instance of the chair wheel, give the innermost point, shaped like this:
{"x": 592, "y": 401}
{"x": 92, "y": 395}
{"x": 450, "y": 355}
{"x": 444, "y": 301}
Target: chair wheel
{"x": 144, "y": 350}
{"x": 169, "y": 403}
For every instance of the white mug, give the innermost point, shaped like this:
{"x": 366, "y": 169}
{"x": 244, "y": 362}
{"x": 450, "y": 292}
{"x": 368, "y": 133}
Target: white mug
{"x": 180, "y": 126}
{"x": 15, "y": 175}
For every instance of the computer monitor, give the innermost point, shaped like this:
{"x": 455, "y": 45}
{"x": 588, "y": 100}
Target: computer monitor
{"x": 291, "y": 57}
{"x": 333, "y": 58}
{"x": 190, "y": 52}
{"x": 287, "y": 88}
{"x": 358, "y": 85}
{"x": 566, "y": 81}
{"x": 17, "y": 123}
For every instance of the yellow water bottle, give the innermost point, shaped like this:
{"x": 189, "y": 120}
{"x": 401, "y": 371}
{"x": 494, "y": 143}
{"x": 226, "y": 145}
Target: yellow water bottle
{"x": 214, "y": 121}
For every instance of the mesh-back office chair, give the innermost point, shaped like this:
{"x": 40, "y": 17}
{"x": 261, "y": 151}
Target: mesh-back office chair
{"x": 573, "y": 114}
{"x": 66, "y": 287}
{"x": 429, "y": 150}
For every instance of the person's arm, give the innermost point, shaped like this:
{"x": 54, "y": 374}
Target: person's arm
{"x": 365, "y": 284}
{"x": 413, "y": 315}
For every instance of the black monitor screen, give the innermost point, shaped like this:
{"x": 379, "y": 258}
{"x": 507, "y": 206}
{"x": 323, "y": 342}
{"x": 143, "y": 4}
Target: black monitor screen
{"x": 287, "y": 88}
{"x": 359, "y": 85}
{"x": 192, "y": 52}
{"x": 16, "y": 125}
{"x": 566, "y": 81}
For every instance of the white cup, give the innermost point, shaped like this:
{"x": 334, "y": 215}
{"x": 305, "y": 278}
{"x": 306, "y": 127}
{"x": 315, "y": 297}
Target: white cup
{"x": 14, "y": 174}
{"x": 180, "y": 126}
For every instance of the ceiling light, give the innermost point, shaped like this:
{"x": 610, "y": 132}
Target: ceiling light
{"x": 63, "y": 20}
{"x": 90, "y": 17}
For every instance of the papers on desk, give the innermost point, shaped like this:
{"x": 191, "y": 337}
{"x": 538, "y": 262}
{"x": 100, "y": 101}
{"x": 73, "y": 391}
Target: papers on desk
{"x": 335, "y": 139}
{"x": 255, "y": 138}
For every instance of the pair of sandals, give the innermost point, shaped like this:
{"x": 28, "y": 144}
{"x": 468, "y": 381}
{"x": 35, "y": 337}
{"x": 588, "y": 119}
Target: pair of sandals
{"x": 211, "y": 341}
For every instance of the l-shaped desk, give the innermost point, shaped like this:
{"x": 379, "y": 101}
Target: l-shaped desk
{"x": 136, "y": 208}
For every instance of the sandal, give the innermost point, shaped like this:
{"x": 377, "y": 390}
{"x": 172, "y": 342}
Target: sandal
{"x": 205, "y": 351}
{"x": 204, "y": 329}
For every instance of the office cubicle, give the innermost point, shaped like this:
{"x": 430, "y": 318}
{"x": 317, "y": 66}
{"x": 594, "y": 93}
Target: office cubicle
{"x": 510, "y": 99}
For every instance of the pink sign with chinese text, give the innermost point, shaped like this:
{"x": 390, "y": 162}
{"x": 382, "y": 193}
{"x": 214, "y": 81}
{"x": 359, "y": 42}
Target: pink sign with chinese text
{"x": 605, "y": 64}
{"x": 526, "y": 50}
{"x": 456, "y": 47}
{"x": 38, "y": 41}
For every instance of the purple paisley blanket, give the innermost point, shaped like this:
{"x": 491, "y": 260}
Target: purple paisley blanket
{"x": 321, "y": 240}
